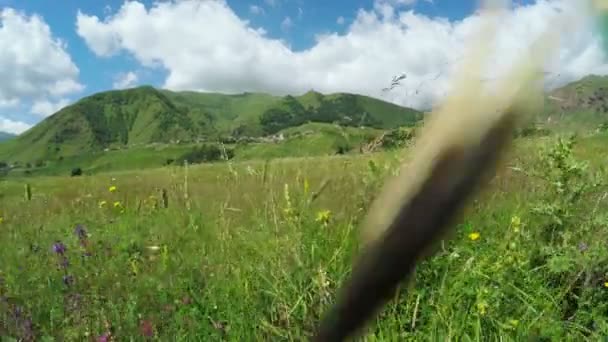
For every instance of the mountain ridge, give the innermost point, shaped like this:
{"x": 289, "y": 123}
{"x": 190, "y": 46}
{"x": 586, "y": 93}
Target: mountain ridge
{"x": 146, "y": 115}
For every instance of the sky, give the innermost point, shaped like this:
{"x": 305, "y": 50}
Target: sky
{"x": 56, "y": 52}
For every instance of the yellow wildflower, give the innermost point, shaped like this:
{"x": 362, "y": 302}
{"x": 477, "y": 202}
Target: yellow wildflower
{"x": 474, "y": 236}
{"x": 515, "y": 223}
{"x": 606, "y": 284}
{"x": 102, "y": 204}
{"x": 481, "y": 307}
{"x": 323, "y": 216}
{"x": 112, "y": 188}
{"x": 117, "y": 204}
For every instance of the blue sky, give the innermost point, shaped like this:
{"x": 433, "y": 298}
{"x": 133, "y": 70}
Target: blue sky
{"x": 295, "y": 25}
{"x": 309, "y": 18}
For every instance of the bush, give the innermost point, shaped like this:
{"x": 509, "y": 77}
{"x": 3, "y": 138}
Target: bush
{"x": 205, "y": 153}
{"x": 343, "y": 147}
{"x": 76, "y": 172}
{"x": 397, "y": 138}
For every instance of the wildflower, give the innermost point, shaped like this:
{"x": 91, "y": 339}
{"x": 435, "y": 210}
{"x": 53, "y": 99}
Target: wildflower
{"x": 482, "y": 307}
{"x": 117, "y": 204}
{"x": 59, "y": 248}
{"x": 323, "y": 216}
{"x": 104, "y": 338}
{"x": 516, "y": 223}
{"x": 102, "y": 204}
{"x": 474, "y": 236}
{"x": 606, "y": 284}
{"x": 582, "y": 247}
{"x": 112, "y": 188}
{"x": 146, "y": 328}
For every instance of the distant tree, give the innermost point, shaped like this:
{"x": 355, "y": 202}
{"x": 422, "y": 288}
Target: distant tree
{"x": 343, "y": 147}
{"x": 76, "y": 172}
{"x": 205, "y": 153}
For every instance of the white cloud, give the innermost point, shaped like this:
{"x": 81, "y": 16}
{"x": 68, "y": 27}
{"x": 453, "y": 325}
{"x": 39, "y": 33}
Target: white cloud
{"x": 340, "y": 20}
{"x": 9, "y": 103}
{"x": 15, "y": 127}
{"x": 255, "y": 9}
{"x": 396, "y": 3}
{"x": 218, "y": 51}
{"x": 44, "y": 108}
{"x": 33, "y": 63}
{"x": 272, "y": 3}
{"x": 286, "y": 24}
{"x": 127, "y": 80}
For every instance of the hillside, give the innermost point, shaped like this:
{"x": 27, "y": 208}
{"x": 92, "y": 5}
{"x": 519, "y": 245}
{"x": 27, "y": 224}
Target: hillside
{"x": 6, "y": 136}
{"x": 257, "y": 114}
{"x": 579, "y": 104}
{"x": 145, "y": 115}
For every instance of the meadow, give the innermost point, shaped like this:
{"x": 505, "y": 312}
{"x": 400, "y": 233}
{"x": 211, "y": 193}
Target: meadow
{"x": 255, "y": 250}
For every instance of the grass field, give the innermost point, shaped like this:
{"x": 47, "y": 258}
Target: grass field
{"x": 254, "y": 251}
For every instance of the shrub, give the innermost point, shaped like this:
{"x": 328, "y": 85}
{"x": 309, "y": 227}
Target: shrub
{"x": 205, "y": 153}
{"x": 76, "y": 172}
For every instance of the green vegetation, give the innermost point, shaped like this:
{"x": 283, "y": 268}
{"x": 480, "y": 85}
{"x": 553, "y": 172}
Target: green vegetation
{"x": 6, "y": 136}
{"x": 256, "y": 250}
{"x": 245, "y": 247}
{"x": 142, "y": 116}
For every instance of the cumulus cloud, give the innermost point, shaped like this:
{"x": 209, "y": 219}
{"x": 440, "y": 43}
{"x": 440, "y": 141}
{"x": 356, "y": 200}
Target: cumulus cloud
{"x": 33, "y": 63}
{"x": 15, "y": 127}
{"x": 272, "y": 3}
{"x": 126, "y": 80}
{"x": 218, "y": 51}
{"x": 44, "y": 108}
{"x": 286, "y": 24}
{"x": 255, "y": 9}
{"x": 9, "y": 103}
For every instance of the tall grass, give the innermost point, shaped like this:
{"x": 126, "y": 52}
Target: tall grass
{"x": 254, "y": 251}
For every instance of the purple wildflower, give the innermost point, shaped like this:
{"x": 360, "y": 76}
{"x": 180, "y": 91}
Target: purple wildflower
{"x": 59, "y": 248}
{"x": 104, "y": 338}
{"x": 146, "y": 328}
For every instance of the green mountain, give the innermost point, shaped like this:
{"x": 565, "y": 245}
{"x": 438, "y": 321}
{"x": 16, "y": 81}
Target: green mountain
{"x": 143, "y": 116}
{"x": 6, "y": 136}
{"x": 583, "y": 104}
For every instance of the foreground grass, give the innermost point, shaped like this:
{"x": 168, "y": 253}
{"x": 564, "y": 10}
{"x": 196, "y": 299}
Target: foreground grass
{"x": 255, "y": 252}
